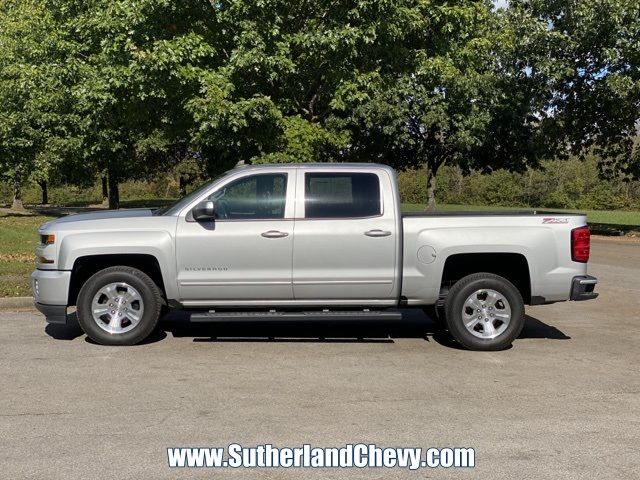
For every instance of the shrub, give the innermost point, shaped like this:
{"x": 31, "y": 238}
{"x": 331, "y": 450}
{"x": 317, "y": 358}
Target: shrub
{"x": 572, "y": 183}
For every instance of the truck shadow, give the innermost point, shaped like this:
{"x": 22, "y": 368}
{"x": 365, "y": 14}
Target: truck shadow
{"x": 535, "y": 328}
{"x": 70, "y": 331}
{"x": 414, "y": 324}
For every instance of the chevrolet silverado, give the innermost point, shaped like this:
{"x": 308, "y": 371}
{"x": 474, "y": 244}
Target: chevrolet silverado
{"x": 308, "y": 241}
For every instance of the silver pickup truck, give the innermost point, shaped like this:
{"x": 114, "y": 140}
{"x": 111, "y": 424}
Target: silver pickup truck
{"x": 309, "y": 241}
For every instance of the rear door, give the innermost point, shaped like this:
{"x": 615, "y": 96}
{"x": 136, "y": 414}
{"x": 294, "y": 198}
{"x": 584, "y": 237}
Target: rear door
{"x": 345, "y": 235}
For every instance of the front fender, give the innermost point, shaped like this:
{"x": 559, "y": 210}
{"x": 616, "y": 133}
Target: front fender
{"x": 159, "y": 244}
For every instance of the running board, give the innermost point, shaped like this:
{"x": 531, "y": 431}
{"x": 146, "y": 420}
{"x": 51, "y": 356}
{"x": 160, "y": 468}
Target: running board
{"x": 326, "y": 315}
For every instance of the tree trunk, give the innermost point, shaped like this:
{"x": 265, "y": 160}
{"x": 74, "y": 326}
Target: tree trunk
{"x": 45, "y": 191}
{"x": 17, "y": 190}
{"x": 458, "y": 183}
{"x": 114, "y": 192}
{"x": 431, "y": 188}
{"x": 183, "y": 186}
{"x": 105, "y": 191}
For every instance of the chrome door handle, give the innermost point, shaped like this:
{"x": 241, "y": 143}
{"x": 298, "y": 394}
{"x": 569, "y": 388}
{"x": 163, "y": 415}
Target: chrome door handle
{"x": 377, "y": 233}
{"x": 274, "y": 234}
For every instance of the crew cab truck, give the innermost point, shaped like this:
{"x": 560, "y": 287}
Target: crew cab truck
{"x": 308, "y": 241}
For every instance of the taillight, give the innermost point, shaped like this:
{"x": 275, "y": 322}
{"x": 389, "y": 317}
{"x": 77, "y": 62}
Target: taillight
{"x": 580, "y": 244}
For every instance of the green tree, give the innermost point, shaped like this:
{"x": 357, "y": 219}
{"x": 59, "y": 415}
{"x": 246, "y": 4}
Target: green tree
{"x": 274, "y": 93}
{"x": 457, "y": 95}
{"x": 137, "y": 62}
{"x": 33, "y": 97}
{"x": 588, "y": 55}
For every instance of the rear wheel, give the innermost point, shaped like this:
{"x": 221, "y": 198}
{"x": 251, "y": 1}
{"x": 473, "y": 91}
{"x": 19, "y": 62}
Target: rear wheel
{"x": 484, "y": 312}
{"x": 119, "y": 306}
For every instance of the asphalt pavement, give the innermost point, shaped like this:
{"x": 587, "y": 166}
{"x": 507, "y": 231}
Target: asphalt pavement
{"x": 563, "y": 402}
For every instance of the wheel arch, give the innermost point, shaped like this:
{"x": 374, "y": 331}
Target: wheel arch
{"x": 86, "y": 266}
{"x": 512, "y": 266}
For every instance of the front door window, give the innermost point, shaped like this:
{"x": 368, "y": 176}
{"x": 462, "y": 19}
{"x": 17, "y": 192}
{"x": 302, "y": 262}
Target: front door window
{"x": 258, "y": 197}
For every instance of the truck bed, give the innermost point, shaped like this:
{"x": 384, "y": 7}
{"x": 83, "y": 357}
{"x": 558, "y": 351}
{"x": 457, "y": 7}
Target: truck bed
{"x": 492, "y": 213}
{"x": 541, "y": 240}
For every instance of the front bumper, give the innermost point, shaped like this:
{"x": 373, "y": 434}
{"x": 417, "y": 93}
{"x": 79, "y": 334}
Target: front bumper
{"x": 53, "y": 313}
{"x": 582, "y": 288}
{"x": 50, "y": 293}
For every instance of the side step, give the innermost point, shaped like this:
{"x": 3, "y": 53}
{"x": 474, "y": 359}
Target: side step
{"x": 326, "y": 315}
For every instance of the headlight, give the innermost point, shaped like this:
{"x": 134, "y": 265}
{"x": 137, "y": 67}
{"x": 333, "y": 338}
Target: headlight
{"x": 48, "y": 239}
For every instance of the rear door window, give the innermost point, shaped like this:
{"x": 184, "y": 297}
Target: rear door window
{"x": 342, "y": 195}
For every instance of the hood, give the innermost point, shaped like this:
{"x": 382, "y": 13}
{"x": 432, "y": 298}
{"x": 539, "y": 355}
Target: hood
{"x": 98, "y": 215}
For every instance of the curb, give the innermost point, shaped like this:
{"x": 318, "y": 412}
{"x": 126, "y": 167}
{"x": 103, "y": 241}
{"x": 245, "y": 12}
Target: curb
{"x": 12, "y": 303}
{"x": 616, "y": 239}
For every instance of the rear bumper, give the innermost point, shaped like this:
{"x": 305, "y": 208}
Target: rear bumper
{"x": 582, "y": 288}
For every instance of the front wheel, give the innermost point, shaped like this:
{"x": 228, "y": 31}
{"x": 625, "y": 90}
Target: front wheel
{"x": 119, "y": 306}
{"x": 484, "y": 312}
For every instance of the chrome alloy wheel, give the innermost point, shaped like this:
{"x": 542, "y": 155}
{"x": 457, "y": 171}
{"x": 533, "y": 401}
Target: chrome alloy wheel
{"x": 486, "y": 313}
{"x": 117, "y": 308}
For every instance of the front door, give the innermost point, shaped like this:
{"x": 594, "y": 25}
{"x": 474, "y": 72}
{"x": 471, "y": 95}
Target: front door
{"x": 245, "y": 254}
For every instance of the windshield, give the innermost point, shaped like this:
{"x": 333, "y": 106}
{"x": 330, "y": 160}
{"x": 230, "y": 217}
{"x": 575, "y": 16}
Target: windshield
{"x": 183, "y": 202}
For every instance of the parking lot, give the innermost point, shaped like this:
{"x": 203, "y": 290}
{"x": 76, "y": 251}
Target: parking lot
{"x": 564, "y": 402}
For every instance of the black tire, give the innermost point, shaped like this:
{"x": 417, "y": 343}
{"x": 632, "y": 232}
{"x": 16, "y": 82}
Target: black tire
{"x": 464, "y": 288}
{"x": 436, "y": 313}
{"x": 148, "y": 290}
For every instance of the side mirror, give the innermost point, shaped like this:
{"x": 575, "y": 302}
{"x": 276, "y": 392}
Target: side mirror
{"x": 204, "y": 211}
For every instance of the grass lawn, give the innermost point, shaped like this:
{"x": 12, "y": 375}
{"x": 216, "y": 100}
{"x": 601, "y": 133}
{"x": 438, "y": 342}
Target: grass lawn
{"x": 18, "y": 240}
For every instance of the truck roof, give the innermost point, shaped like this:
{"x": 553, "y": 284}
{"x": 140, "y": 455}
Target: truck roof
{"x": 336, "y": 165}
